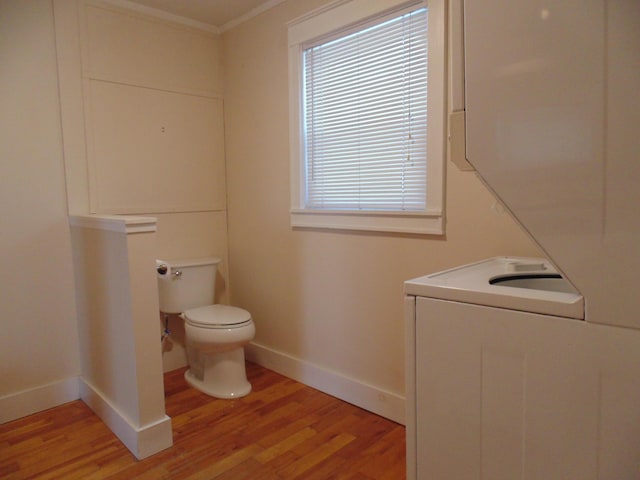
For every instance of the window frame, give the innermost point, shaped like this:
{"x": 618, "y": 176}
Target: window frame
{"x": 341, "y": 17}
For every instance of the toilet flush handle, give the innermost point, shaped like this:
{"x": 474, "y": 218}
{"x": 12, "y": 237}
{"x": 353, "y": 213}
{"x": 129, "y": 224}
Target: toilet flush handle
{"x": 177, "y": 274}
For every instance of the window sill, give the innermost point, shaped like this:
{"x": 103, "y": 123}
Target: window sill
{"x": 423, "y": 223}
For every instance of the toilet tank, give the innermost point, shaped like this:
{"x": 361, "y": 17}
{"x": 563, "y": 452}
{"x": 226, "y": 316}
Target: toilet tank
{"x": 185, "y": 284}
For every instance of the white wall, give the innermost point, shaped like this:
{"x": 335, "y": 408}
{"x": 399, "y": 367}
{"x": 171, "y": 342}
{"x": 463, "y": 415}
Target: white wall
{"x": 38, "y": 342}
{"x": 327, "y": 305}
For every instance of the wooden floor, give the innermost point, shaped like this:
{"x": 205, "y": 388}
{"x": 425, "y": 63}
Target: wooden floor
{"x": 282, "y": 430}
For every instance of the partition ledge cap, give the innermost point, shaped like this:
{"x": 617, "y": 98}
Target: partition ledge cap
{"x": 116, "y": 223}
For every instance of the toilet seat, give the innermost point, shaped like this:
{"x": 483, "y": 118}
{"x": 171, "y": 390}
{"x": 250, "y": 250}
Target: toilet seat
{"x": 217, "y": 316}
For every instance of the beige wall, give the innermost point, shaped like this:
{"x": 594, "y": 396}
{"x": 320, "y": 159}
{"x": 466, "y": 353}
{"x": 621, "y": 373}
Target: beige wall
{"x": 38, "y": 342}
{"x": 142, "y": 96}
{"x": 330, "y": 299}
{"x": 120, "y": 355}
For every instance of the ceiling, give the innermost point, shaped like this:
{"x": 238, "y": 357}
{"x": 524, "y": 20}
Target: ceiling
{"x": 217, "y": 13}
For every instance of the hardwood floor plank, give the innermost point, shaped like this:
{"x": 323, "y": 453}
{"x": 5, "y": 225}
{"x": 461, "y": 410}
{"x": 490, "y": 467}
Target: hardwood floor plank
{"x": 377, "y": 459}
{"x": 286, "y": 429}
{"x": 110, "y": 465}
{"x": 247, "y": 470}
{"x": 317, "y": 455}
{"x": 285, "y": 445}
{"x": 283, "y": 430}
{"x": 274, "y": 392}
{"x": 216, "y": 469}
{"x": 331, "y": 469}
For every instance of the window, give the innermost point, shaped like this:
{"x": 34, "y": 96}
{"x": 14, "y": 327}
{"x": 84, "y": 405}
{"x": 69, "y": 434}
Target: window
{"x": 367, "y": 115}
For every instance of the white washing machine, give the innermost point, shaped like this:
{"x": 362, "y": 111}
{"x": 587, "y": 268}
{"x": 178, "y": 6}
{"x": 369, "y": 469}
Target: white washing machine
{"x": 506, "y": 381}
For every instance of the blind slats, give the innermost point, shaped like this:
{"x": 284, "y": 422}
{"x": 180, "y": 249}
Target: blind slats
{"x": 365, "y": 118}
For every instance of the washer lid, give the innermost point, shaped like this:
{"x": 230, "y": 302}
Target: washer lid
{"x": 479, "y": 284}
{"x": 217, "y": 316}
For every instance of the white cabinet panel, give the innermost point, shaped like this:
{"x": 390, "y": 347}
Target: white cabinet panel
{"x": 153, "y": 151}
{"x": 512, "y": 395}
{"x": 126, "y": 47}
{"x": 503, "y": 406}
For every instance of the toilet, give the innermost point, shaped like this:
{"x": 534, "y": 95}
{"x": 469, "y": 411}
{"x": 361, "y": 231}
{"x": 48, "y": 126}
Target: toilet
{"x": 215, "y": 334}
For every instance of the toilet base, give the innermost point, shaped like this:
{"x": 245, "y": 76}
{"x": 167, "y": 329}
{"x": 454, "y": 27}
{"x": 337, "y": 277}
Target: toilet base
{"x": 221, "y": 375}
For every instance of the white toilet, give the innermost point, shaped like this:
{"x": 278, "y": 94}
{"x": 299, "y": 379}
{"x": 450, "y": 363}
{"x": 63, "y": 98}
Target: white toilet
{"x": 215, "y": 334}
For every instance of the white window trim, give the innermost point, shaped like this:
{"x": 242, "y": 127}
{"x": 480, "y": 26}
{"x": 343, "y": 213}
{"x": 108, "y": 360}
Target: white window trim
{"x": 344, "y": 14}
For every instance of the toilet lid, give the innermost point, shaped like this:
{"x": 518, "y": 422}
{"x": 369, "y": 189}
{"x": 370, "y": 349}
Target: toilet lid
{"x": 222, "y": 316}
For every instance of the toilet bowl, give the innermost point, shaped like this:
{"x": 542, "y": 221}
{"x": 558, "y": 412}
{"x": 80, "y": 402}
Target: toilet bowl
{"x": 215, "y": 335}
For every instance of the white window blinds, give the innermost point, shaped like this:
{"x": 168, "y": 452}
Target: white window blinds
{"x": 365, "y": 118}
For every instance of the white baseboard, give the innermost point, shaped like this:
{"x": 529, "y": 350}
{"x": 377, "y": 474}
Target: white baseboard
{"x": 33, "y": 400}
{"x": 141, "y": 441}
{"x": 381, "y": 402}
